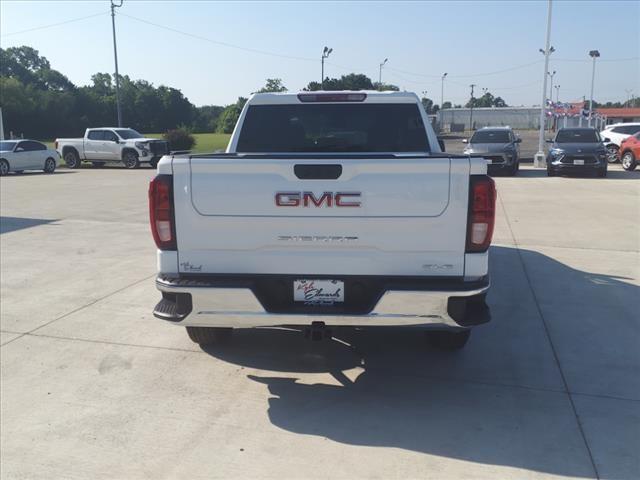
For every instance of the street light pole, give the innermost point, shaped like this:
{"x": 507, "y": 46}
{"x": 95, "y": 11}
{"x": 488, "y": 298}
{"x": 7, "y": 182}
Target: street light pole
{"x": 593, "y": 54}
{"x": 442, "y": 91}
{"x": 552, "y": 74}
{"x": 557, "y": 87}
{"x": 471, "y": 109}
{"x": 539, "y": 158}
{"x": 380, "y": 75}
{"x": 115, "y": 56}
{"x": 325, "y": 54}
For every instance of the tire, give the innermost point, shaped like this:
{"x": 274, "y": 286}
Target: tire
{"x": 49, "y": 165}
{"x": 447, "y": 340}
{"x": 98, "y": 164}
{"x": 130, "y": 159}
{"x": 209, "y": 335}
{"x": 72, "y": 160}
{"x": 513, "y": 170}
{"x": 612, "y": 153}
{"x": 4, "y": 167}
{"x": 153, "y": 163}
{"x": 629, "y": 162}
{"x": 602, "y": 172}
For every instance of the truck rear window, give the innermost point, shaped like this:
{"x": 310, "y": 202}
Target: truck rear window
{"x": 333, "y": 128}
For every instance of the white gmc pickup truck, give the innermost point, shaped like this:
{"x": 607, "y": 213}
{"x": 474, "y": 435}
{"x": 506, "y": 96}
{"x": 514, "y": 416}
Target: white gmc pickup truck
{"x": 109, "y": 144}
{"x": 328, "y": 208}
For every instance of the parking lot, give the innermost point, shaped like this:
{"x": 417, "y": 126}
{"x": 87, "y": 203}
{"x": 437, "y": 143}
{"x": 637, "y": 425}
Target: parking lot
{"x": 93, "y": 386}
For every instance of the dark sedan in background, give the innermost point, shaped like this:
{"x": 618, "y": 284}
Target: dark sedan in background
{"x": 577, "y": 150}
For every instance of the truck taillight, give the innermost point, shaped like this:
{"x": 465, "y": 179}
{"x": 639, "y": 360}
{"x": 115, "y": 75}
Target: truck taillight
{"x": 161, "y": 212}
{"x": 482, "y": 213}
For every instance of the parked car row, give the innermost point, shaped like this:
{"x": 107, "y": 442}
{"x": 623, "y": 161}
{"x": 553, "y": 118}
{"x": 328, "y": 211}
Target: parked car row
{"x": 573, "y": 150}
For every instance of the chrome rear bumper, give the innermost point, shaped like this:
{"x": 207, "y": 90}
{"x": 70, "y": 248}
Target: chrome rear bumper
{"x": 204, "y": 306}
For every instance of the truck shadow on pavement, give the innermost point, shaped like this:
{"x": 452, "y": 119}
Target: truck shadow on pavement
{"x": 500, "y": 401}
{"x": 11, "y": 224}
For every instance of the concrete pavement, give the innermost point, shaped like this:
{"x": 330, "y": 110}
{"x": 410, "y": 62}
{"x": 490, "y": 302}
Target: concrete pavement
{"x": 92, "y": 386}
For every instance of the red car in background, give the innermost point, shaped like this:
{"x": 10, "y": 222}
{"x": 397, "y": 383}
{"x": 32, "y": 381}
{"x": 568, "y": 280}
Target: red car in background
{"x": 630, "y": 152}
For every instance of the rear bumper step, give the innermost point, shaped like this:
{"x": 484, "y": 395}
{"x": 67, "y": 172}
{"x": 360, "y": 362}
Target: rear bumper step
{"x": 239, "y": 301}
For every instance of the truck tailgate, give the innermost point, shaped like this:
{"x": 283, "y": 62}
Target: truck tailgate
{"x": 383, "y": 215}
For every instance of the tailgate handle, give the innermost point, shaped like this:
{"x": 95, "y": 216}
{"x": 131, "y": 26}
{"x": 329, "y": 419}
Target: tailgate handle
{"x": 318, "y": 172}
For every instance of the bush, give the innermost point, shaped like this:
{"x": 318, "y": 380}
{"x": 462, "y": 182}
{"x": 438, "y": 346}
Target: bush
{"x": 179, "y": 139}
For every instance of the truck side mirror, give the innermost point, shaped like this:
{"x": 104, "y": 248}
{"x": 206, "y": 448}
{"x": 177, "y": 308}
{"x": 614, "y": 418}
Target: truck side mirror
{"x": 518, "y": 140}
{"x": 441, "y": 143}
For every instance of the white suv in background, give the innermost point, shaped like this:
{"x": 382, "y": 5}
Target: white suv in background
{"x": 616, "y": 133}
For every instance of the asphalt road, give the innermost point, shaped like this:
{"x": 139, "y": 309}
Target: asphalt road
{"x": 92, "y": 386}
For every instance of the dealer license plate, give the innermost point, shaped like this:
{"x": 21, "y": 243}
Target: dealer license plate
{"x": 325, "y": 292}
{"x": 578, "y": 161}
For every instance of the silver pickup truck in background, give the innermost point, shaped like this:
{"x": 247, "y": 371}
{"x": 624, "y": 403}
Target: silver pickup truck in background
{"x": 111, "y": 144}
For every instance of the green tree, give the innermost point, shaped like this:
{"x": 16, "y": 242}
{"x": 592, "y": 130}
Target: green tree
{"x": 429, "y": 106}
{"x": 273, "y": 85}
{"x": 352, "y": 81}
{"x": 486, "y": 100}
{"x": 229, "y": 116}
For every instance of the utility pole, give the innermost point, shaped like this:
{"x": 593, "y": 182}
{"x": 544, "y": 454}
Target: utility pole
{"x": 539, "y": 158}
{"x": 442, "y": 91}
{"x": 473, "y": 85}
{"x": 593, "y": 54}
{"x": 325, "y": 54}
{"x": 557, "y": 87}
{"x": 380, "y": 75}
{"x": 115, "y": 55}
{"x": 628, "y": 92}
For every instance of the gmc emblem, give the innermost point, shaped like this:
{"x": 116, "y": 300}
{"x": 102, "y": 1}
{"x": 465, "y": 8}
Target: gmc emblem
{"x": 308, "y": 199}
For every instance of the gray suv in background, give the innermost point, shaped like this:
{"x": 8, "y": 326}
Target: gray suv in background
{"x": 499, "y": 145}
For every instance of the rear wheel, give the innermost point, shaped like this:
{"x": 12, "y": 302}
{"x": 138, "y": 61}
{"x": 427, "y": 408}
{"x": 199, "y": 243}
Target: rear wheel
{"x": 612, "y": 153}
{"x": 513, "y": 169}
{"x": 153, "y": 163}
{"x": 4, "y": 167}
{"x": 209, "y": 335}
{"x": 130, "y": 159}
{"x": 602, "y": 172}
{"x": 71, "y": 159}
{"x": 49, "y": 165}
{"x": 629, "y": 161}
{"x": 448, "y": 340}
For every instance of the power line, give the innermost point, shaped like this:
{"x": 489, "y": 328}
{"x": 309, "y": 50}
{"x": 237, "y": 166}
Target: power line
{"x": 308, "y": 59}
{"x": 469, "y": 75}
{"x": 218, "y": 42}
{"x": 54, "y": 24}
{"x": 582, "y": 60}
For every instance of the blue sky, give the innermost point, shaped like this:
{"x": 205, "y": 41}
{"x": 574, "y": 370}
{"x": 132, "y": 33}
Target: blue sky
{"x": 469, "y": 40}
